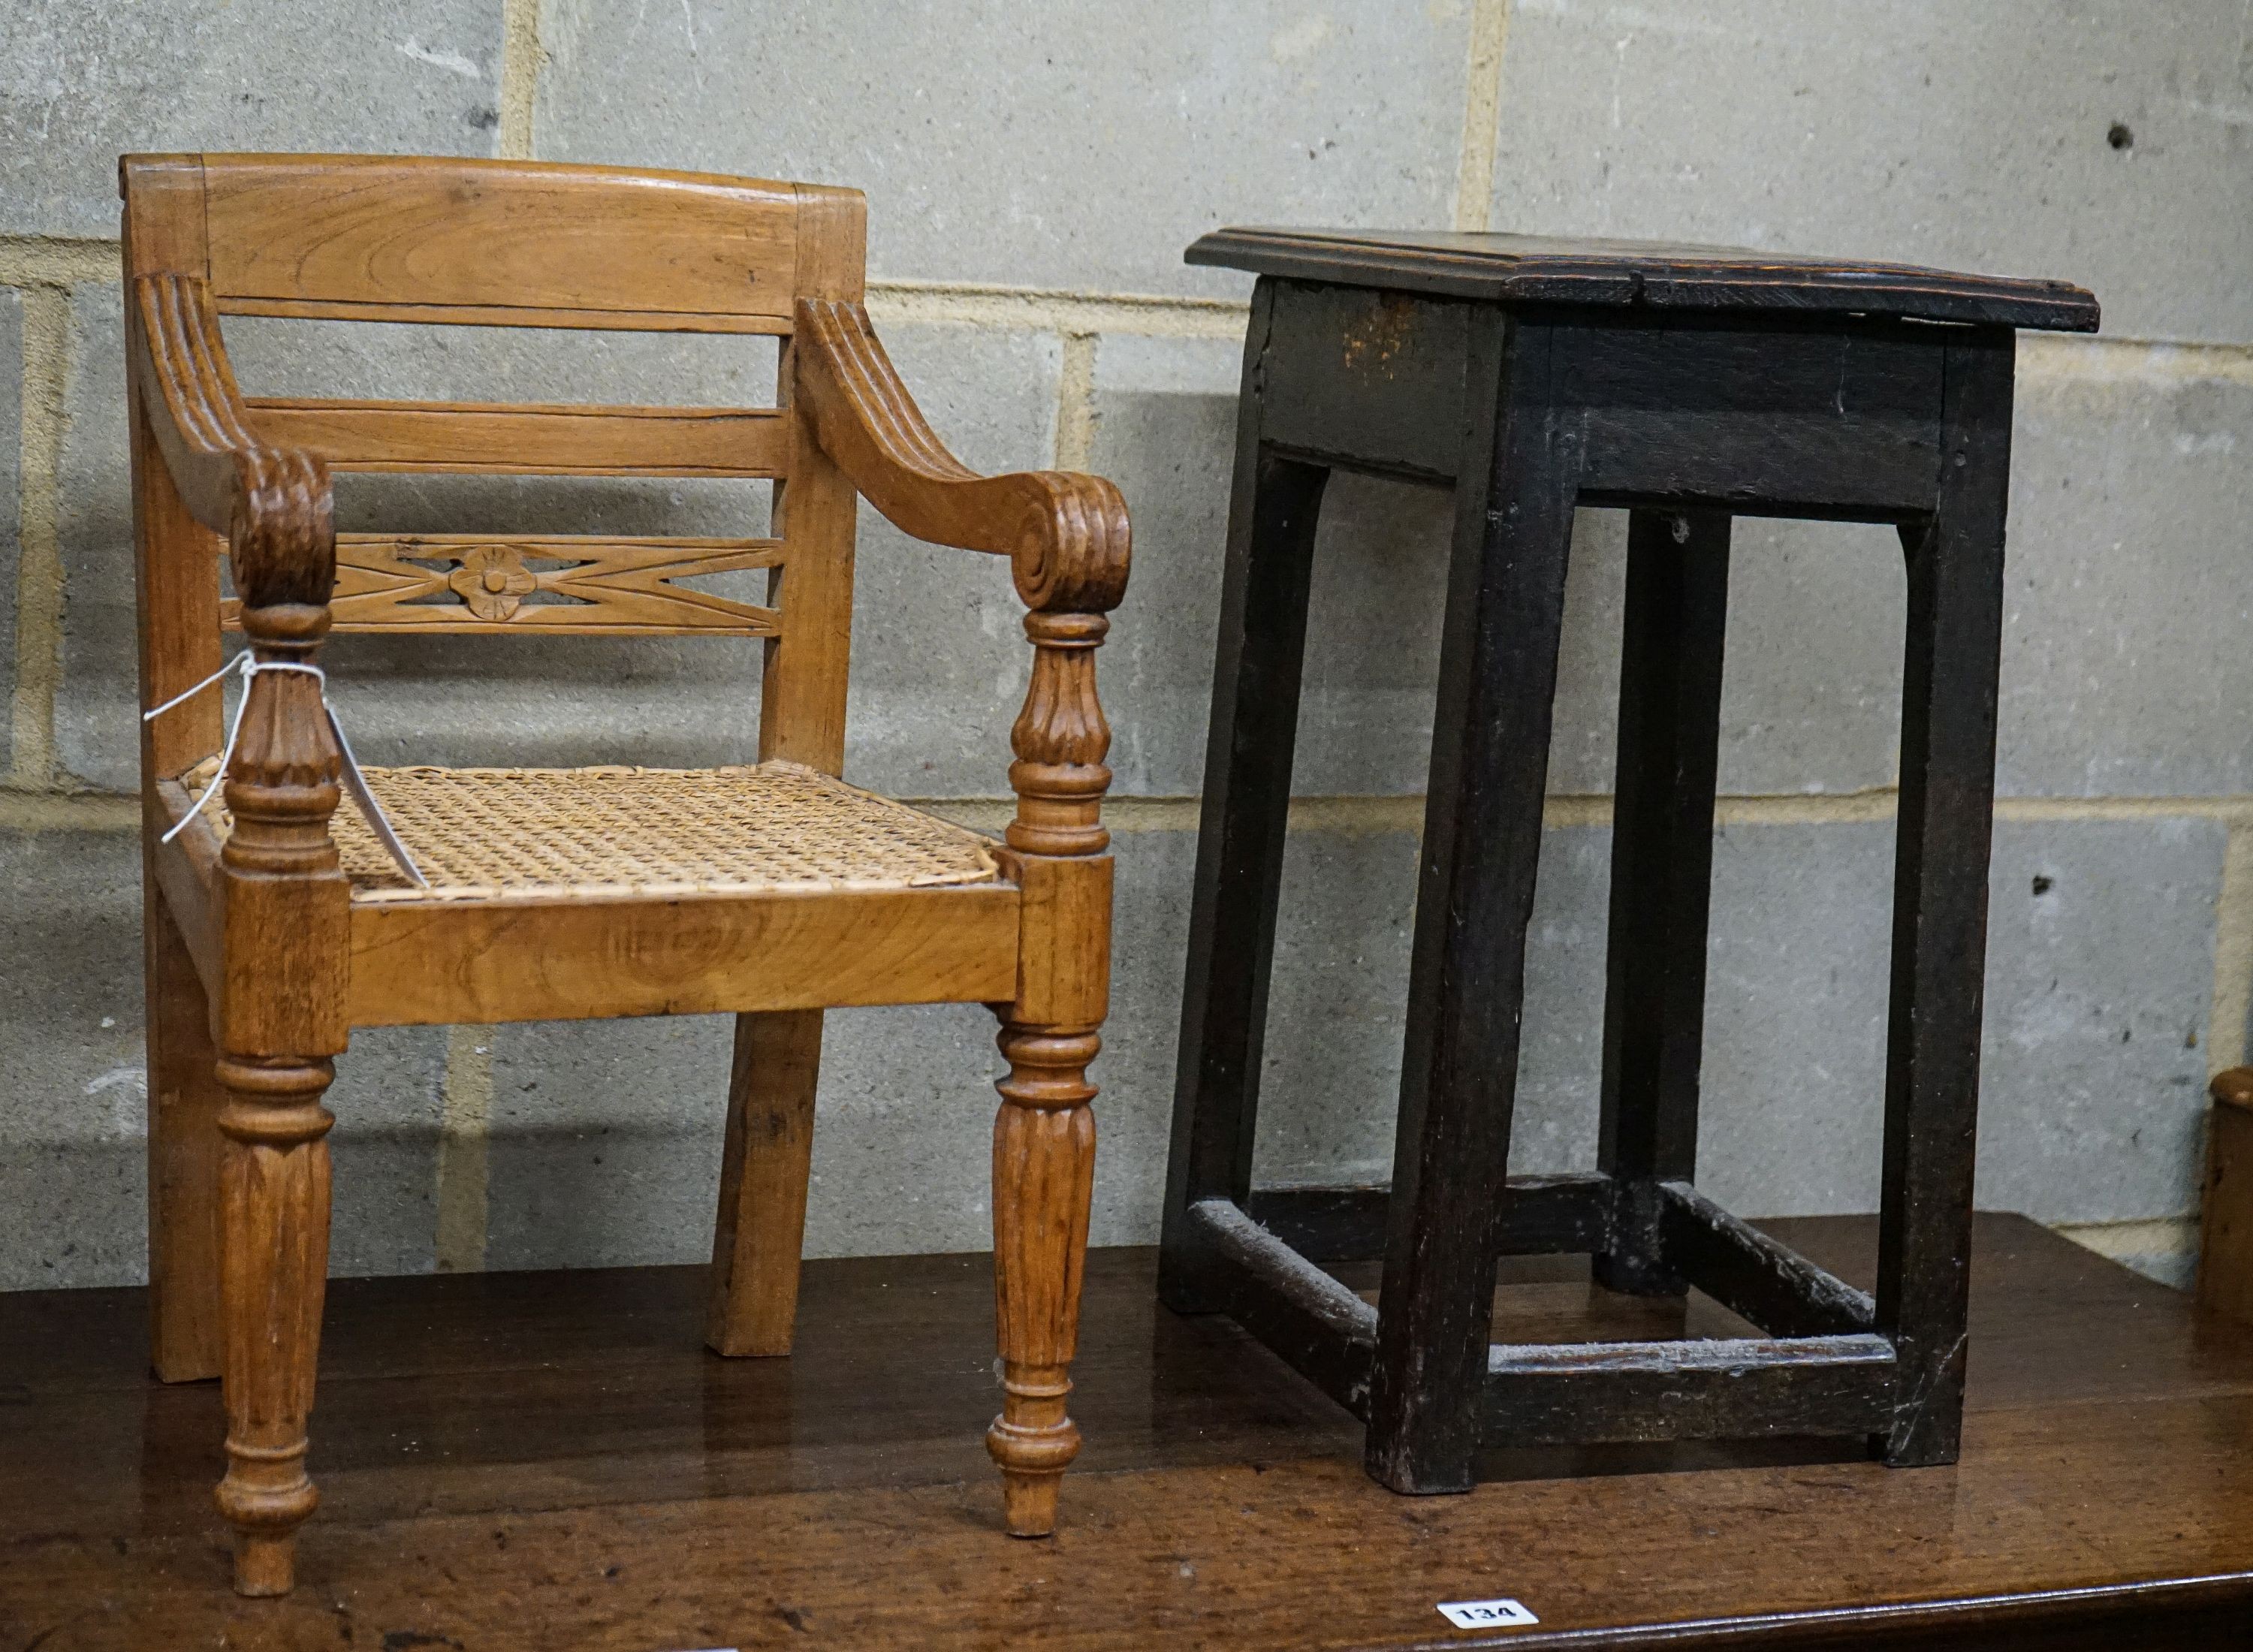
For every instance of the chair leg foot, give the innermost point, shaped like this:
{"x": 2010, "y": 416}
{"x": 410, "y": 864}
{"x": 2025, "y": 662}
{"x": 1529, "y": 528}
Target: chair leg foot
{"x": 1043, "y": 1179}
{"x": 265, "y": 1563}
{"x": 1032, "y": 1442}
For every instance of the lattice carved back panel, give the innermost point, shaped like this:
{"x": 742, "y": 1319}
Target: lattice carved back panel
{"x": 480, "y": 584}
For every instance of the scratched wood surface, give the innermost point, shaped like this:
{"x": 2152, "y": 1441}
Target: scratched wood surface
{"x": 549, "y": 1460}
{"x": 1576, "y": 271}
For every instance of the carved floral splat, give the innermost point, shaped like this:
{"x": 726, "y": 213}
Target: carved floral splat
{"x": 494, "y": 580}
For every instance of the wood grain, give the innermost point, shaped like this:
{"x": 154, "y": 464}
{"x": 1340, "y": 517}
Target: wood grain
{"x": 273, "y": 1269}
{"x": 1066, "y": 533}
{"x": 175, "y": 570}
{"x": 764, "y": 1174}
{"x": 1067, "y": 538}
{"x": 341, "y": 234}
{"x": 559, "y": 1451}
{"x": 2225, "y": 1262}
{"x": 481, "y": 584}
{"x": 265, "y": 925}
{"x": 184, "y": 1098}
{"x": 527, "y": 439}
{"x": 431, "y": 963}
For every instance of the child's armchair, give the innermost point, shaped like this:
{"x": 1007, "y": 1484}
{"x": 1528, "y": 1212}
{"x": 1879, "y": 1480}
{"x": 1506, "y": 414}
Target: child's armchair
{"x": 278, "y": 921}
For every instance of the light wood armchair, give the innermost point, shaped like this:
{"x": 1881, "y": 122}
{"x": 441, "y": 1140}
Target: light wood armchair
{"x": 279, "y": 921}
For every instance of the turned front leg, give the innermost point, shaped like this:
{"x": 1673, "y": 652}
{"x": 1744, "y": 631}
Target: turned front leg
{"x": 1044, "y": 1139}
{"x": 1044, "y": 1178}
{"x": 274, "y": 1223}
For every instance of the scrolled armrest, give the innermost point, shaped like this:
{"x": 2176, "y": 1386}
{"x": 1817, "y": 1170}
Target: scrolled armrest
{"x": 1065, "y": 534}
{"x": 275, "y": 506}
{"x": 273, "y": 502}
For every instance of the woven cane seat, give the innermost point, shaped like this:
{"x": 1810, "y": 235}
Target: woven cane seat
{"x": 493, "y": 833}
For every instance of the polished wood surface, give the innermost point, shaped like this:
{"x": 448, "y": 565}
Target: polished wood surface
{"x": 415, "y": 238}
{"x": 1067, "y": 539}
{"x": 544, "y": 1461}
{"x": 607, "y": 586}
{"x": 2225, "y": 1259}
{"x": 1575, "y": 270}
{"x": 526, "y": 438}
{"x": 258, "y": 940}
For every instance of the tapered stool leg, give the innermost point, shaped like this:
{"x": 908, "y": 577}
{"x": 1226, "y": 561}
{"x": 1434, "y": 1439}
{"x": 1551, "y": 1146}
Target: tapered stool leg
{"x": 273, "y": 1217}
{"x": 1949, "y": 692}
{"x": 1475, "y": 897}
{"x": 1261, "y": 651}
{"x": 1677, "y": 594}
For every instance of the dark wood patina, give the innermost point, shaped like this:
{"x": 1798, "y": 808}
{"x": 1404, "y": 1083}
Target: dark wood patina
{"x": 1691, "y": 386}
{"x": 519, "y": 1462}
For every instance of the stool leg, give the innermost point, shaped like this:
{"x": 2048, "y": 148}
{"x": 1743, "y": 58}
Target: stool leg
{"x": 1939, "y": 905}
{"x": 1247, "y": 793}
{"x": 273, "y": 1223}
{"x": 1678, "y": 592}
{"x": 1467, "y": 974}
{"x": 759, "y": 1237}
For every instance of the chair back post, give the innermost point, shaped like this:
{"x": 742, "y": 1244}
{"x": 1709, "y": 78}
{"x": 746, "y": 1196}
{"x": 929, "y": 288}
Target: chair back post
{"x": 176, "y": 559}
{"x": 816, "y": 512}
{"x": 278, "y": 986}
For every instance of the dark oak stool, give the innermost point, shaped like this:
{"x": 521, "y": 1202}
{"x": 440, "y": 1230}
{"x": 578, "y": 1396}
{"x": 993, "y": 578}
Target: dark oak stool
{"x": 1689, "y": 385}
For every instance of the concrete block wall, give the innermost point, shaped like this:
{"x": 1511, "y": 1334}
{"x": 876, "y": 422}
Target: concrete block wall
{"x": 1032, "y": 172}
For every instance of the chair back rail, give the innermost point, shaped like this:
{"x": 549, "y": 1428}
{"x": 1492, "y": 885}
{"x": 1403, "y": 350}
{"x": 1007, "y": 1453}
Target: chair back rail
{"x": 520, "y": 243}
{"x": 482, "y": 584}
{"x": 514, "y": 243}
{"x": 526, "y": 439}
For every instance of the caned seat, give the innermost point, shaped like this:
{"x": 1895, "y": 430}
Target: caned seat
{"x": 277, "y": 917}
{"x": 616, "y": 831}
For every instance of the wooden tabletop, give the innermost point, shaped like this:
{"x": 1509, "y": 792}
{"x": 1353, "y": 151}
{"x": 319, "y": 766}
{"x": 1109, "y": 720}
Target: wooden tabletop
{"x": 1544, "y": 269}
{"x": 550, "y": 1460}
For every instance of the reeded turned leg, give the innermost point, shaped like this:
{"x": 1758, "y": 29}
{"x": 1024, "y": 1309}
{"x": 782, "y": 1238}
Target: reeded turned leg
{"x": 273, "y": 1217}
{"x": 1044, "y": 1178}
{"x": 1044, "y": 1135}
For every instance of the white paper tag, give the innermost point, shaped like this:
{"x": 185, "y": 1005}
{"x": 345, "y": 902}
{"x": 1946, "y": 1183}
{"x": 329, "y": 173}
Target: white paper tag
{"x": 1486, "y": 1614}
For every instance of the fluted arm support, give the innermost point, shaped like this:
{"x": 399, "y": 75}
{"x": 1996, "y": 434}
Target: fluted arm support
{"x": 273, "y": 506}
{"x": 1065, "y": 535}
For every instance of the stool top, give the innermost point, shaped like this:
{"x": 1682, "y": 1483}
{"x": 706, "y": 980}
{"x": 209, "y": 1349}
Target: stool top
{"x": 1545, "y": 270}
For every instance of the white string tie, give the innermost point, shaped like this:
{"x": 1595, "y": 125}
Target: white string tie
{"x": 248, "y": 665}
